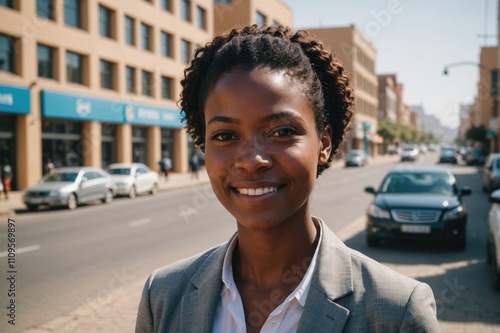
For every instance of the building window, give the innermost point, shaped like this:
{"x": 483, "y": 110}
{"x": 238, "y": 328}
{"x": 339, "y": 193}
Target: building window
{"x": 7, "y": 3}
{"x": 147, "y": 83}
{"x": 146, "y": 36}
{"x": 130, "y": 77}
{"x": 186, "y": 10}
{"x": 185, "y": 51}
{"x": 45, "y": 9}
{"x": 72, "y": 13}
{"x": 166, "y": 5}
{"x": 166, "y": 44}
{"x": 167, "y": 87}
{"x": 129, "y": 30}
{"x": 74, "y": 67}
{"x": 45, "y": 61}
{"x": 261, "y": 19}
{"x": 201, "y": 16}
{"x": 105, "y": 22}
{"x": 223, "y": 1}
{"x": 107, "y": 75}
{"x": 7, "y": 53}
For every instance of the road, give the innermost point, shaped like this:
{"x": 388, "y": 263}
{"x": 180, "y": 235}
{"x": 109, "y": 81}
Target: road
{"x": 81, "y": 257}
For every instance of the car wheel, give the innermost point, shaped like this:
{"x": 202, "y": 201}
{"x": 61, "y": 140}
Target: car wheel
{"x": 372, "y": 241}
{"x": 72, "y": 202}
{"x": 132, "y": 193}
{"x": 32, "y": 207}
{"x": 154, "y": 189}
{"x": 108, "y": 198}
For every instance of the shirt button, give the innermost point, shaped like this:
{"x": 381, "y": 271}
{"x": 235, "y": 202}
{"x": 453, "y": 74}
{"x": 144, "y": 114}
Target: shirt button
{"x": 273, "y": 322}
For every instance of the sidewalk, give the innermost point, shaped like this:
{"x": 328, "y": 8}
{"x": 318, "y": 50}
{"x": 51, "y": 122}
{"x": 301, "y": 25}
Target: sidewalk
{"x": 15, "y": 203}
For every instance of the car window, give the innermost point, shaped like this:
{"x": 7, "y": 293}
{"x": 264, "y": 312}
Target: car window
{"x": 119, "y": 171}
{"x": 497, "y": 163}
{"x": 60, "y": 177}
{"x": 89, "y": 175}
{"x": 96, "y": 175}
{"x": 428, "y": 183}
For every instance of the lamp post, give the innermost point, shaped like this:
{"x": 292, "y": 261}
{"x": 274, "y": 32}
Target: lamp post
{"x": 493, "y": 85}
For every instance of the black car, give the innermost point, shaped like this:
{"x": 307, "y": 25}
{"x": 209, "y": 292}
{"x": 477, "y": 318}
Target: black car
{"x": 448, "y": 155}
{"x": 422, "y": 203}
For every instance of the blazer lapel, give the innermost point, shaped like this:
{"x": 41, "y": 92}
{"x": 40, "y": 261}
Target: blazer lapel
{"x": 198, "y": 307}
{"x": 331, "y": 281}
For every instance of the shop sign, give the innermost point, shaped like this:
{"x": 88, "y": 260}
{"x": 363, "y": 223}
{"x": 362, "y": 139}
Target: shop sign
{"x": 14, "y": 99}
{"x": 153, "y": 116}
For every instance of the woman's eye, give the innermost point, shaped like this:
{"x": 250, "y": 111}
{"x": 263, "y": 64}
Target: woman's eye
{"x": 284, "y": 131}
{"x": 222, "y": 136}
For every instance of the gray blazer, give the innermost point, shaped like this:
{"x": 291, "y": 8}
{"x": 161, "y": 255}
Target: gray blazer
{"x": 349, "y": 293}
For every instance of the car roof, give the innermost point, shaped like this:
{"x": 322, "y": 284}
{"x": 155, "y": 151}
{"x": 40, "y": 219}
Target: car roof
{"x": 420, "y": 169}
{"x": 77, "y": 169}
{"x": 125, "y": 165}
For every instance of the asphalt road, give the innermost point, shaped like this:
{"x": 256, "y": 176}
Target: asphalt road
{"x": 75, "y": 258}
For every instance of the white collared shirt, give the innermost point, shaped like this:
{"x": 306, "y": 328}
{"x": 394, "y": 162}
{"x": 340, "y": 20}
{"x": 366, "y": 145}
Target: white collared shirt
{"x": 230, "y": 316}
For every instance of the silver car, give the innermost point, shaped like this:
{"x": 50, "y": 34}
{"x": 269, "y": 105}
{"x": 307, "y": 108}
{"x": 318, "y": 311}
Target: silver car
{"x": 70, "y": 187}
{"x": 131, "y": 179}
{"x": 491, "y": 173}
{"x": 493, "y": 244}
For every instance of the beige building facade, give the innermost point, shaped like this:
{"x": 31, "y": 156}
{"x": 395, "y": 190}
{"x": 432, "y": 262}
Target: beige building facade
{"x": 358, "y": 57}
{"x": 232, "y": 13}
{"x": 387, "y": 98}
{"x": 92, "y": 82}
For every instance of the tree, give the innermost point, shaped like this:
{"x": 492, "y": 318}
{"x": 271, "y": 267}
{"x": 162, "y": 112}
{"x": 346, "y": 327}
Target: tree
{"x": 477, "y": 133}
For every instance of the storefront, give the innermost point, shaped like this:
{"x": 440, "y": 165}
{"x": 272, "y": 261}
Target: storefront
{"x": 14, "y": 101}
{"x": 99, "y": 132}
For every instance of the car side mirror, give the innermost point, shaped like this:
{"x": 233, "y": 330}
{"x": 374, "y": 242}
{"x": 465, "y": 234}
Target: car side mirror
{"x": 84, "y": 179}
{"x": 466, "y": 190}
{"x": 370, "y": 189}
{"x": 495, "y": 197}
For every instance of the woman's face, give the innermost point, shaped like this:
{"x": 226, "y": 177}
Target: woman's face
{"x": 262, "y": 147}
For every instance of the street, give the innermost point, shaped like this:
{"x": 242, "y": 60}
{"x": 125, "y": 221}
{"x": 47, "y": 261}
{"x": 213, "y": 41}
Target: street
{"x": 87, "y": 257}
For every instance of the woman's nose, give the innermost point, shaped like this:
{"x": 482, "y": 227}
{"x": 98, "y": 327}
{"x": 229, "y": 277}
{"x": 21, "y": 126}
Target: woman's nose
{"x": 253, "y": 155}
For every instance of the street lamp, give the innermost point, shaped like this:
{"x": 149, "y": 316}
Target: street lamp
{"x": 462, "y": 63}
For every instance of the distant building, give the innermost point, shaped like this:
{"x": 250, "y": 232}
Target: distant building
{"x": 387, "y": 98}
{"x": 358, "y": 57}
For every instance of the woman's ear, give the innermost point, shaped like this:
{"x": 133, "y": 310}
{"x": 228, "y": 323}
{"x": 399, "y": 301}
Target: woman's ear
{"x": 325, "y": 139}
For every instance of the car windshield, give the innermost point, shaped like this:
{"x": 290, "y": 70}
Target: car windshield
{"x": 497, "y": 163}
{"x": 60, "y": 177}
{"x": 408, "y": 149}
{"x": 119, "y": 171}
{"x": 423, "y": 183}
{"x": 447, "y": 150}
{"x": 354, "y": 153}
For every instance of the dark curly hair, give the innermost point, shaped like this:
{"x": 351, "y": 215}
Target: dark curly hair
{"x": 299, "y": 55}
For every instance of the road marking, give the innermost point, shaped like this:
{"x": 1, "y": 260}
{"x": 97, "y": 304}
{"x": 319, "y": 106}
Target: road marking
{"x": 21, "y": 250}
{"x": 352, "y": 229}
{"x": 139, "y": 222}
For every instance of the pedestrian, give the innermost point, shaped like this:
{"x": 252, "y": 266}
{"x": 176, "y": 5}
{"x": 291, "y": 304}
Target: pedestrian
{"x": 194, "y": 165}
{"x": 165, "y": 166}
{"x": 271, "y": 108}
{"x": 6, "y": 175}
{"x": 49, "y": 167}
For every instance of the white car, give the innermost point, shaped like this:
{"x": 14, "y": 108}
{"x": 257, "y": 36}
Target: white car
{"x": 493, "y": 245}
{"x": 131, "y": 179}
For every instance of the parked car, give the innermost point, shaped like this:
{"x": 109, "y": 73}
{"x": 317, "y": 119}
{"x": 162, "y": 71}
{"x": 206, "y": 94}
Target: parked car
{"x": 475, "y": 156}
{"x": 131, "y": 179}
{"x": 70, "y": 186}
{"x": 491, "y": 173}
{"x": 493, "y": 242}
{"x": 448, "y": 155}
{"x": 356, "y": 158}
{"x": 422, "y": 203}
{"x": 410, "y": 153}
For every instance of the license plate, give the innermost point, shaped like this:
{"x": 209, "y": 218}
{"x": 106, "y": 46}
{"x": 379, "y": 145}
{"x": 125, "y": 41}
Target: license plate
{"x": 35, "y": 200}
{"x": 416, "y": 229}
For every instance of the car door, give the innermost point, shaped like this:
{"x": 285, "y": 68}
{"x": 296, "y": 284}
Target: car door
{"x": 142, "y": 179}
{"x": 86, "y": 190}
{"x": 101, "y": 184}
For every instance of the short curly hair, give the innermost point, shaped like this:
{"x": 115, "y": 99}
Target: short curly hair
{"x": 299, "y": 55}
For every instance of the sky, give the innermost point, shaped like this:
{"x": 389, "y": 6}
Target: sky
{"x": 416, "y": 39}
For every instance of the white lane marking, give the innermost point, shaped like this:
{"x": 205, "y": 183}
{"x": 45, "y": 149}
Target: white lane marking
{"x": 352, "y": 229}
{"x": 139, "y": 222}
{"x": 21, "y": 250}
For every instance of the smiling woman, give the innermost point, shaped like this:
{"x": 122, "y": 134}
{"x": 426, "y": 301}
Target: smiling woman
{"x": 270, "y": 108}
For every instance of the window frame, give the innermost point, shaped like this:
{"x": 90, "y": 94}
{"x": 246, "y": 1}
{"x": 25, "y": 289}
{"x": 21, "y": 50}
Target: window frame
{"x": 10, "y": 52}
{"x": 107, "y": 75}
{"x": 51, "y": 61}
{"x": 81, "y": 59}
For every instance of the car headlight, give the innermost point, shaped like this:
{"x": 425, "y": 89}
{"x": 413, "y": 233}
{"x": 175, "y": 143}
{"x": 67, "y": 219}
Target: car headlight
{"x": 455, "y": 213}
{"x": 377, "y": 212}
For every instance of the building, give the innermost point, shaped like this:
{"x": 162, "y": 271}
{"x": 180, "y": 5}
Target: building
{"x": 358, "y": 57}
{"x": 91, "y": 82}
{"x": 231, "y": 13}
{"x": 387, "y": 98}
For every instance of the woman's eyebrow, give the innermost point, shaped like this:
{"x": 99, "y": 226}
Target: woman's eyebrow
{"x": 223, "y": 119}
{"x": 282, "y": 115}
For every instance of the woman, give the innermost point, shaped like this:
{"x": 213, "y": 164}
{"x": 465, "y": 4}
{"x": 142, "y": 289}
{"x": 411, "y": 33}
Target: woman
{"x": 270, "y": 108}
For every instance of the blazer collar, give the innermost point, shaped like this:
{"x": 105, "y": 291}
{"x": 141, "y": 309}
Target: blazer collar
{"x": 331, "y": 281}
{"x": 198, "y": 307}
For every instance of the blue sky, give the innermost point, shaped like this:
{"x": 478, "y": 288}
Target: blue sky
{"x": 416, "y": 40}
